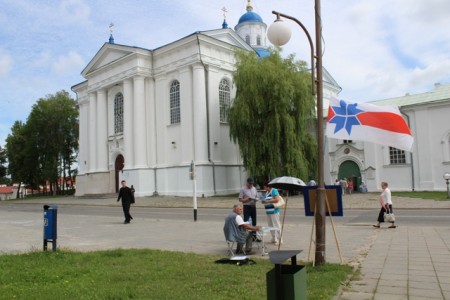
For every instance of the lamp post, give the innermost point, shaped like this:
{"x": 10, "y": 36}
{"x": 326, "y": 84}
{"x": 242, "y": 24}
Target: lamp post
{"x": 447, "y": 178}
{"x": 279, "y": 34}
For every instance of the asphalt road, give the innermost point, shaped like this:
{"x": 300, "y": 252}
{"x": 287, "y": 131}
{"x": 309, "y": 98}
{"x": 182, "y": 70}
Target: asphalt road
{"x": 352, "y": 217}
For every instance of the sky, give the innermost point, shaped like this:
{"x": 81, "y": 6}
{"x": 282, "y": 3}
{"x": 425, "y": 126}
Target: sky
{"x": 373, "y": 49}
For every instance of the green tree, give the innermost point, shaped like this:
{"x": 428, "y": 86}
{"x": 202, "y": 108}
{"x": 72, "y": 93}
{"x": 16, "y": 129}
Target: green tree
{"x": 45, "y": 147}
{"x": 3, "y": 178}
{"x": 15, "y": 151}
{"x": 272, "y": 116}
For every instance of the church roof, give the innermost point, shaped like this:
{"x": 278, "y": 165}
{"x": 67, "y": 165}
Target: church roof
{"x": 440, "y": 93}
{"x": 250, "y": 16}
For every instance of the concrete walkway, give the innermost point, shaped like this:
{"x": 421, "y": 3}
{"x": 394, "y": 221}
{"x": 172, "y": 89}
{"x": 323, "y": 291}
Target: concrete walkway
{"x": 404, "y": 263}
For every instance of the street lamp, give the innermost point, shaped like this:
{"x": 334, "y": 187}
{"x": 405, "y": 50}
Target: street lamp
{"x": 279, "y": 34}
{"x": 447, "y": 178}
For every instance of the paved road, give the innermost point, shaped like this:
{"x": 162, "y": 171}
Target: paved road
{"x": 405, "y": 217}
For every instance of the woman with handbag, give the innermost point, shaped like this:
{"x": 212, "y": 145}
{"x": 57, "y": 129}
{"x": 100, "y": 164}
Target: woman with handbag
{"x": 386, "y": 212}
{"x": 272, "y": 202}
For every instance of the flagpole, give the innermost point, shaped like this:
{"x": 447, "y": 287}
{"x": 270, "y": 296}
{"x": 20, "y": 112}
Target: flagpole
{"x": 320, "y": 217}
{"x": 279, "y": 35}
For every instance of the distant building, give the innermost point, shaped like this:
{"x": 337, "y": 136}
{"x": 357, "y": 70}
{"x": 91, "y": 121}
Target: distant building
{"x": 421, "y": 170}
{"x": 145, "y": 115}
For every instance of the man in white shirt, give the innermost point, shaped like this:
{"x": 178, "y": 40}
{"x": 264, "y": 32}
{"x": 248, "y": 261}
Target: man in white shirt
{"x": 236, "y": 230}
{"x": 247, "y": 197}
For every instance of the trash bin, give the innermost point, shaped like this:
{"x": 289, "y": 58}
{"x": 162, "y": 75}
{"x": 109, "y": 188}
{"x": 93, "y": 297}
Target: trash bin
{"x": 50, "y": 225}
{"x": 286, "y": 281}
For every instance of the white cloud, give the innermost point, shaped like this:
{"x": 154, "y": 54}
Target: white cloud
{"x": 74, "y": 11}
{"x": 68, "y": 63}
{"x": 6, "y": 63}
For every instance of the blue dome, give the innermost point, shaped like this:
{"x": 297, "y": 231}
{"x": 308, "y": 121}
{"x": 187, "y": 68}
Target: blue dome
{"x": 250, "y": 17}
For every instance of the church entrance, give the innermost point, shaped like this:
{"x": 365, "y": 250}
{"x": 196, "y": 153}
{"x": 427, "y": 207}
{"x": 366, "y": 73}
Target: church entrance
{"x": 349, "y": 169}
{"x": 120, "y": 162}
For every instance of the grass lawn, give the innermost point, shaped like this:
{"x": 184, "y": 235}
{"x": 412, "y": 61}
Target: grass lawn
{"x": 147, "y": 274}
{"x": 423, "y": 195}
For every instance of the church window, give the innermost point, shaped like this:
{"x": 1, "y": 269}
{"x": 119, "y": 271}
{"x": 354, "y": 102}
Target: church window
{"x": 396, "y": 156}
{"x": 224, "y": 100}
{"x": 247, "y": 39}
{"x": 175, "y": 116}
{"x": 258, "y": 40}
{"x": 118, "y": 113}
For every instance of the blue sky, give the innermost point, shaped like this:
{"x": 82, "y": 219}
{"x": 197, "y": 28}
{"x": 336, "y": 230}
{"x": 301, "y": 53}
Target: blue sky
{"x": 373, "y": 49}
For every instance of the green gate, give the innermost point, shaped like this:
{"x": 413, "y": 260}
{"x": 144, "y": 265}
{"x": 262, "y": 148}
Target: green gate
{"x": 349, "y": 169}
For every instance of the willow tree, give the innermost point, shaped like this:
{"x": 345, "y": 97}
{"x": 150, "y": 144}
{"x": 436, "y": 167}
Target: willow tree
{"x": 272, "y": 116}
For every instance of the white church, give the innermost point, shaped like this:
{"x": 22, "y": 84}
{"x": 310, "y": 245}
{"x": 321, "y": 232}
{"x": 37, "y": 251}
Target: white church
{"x": 147, "y": 115}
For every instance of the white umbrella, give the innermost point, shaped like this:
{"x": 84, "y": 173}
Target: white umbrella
{"x": 288, "y": 183}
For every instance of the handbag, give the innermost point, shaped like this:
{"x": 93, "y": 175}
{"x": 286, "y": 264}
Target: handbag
{"x": 280, "y": 202}
{"x": 389, "y": 216}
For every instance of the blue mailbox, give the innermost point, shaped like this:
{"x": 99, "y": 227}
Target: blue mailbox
{"x": 50, "y": 225}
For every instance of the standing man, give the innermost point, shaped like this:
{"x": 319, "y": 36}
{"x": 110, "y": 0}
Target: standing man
{"x": 127, "y": 196}
{"x": 247, "y": 197}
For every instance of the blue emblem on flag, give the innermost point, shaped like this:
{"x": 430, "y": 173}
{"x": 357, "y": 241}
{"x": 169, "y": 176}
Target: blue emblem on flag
{"x": 345, "y": 116}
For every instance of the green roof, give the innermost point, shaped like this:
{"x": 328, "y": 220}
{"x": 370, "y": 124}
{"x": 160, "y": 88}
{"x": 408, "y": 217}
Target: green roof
{"x": 441, "y": 93}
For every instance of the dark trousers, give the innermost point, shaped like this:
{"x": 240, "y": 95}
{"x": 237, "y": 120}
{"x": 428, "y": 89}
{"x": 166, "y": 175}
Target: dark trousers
{"x": 381, "y": 214}
{"x": 250, "y": 211}
{"x": 126, "y": 211}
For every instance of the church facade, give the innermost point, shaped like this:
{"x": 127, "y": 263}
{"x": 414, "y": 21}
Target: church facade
{"x": 148, "y": 116}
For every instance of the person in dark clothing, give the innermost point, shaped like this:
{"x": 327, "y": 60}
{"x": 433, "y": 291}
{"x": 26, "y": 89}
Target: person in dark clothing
{"x": 126, "y": 195}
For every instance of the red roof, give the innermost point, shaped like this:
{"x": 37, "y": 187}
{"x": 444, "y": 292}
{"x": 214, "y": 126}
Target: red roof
{"x": 6, "y": 189}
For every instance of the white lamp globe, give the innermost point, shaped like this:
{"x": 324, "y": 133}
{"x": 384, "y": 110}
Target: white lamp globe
{"x": 446, "y": 176}
{"x": 279, "y": 33}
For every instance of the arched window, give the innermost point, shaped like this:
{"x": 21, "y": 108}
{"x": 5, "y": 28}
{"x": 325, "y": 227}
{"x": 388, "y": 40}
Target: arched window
{"x": 118, "y": 113}
{"x": 247, "y": 39}
{"x": 258, "y": 40}
{"x": 224, "y": 100}
{"x": 175, "y": 116}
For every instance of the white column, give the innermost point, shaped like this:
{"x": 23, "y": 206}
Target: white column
{"x": 140, "y": 135}
{"x": 83, "y": 139}
{"x": 102, "y": 131}
{"x": 151, "y": 121}
{"x": 92, "y": 132}
{"x": 128, "y": 123}
{"x": 199, "y": 114}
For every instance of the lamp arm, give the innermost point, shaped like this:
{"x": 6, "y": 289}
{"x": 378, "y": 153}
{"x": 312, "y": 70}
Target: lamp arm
{"x": 313, "y": 75}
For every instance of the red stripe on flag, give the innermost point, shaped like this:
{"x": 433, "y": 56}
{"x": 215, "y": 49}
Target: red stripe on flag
{"x": 331, "y": 113}
{"x": 384, "y": 120}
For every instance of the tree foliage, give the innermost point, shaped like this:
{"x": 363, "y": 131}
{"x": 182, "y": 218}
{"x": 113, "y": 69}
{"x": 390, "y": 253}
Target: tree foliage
{"x": 272, "y": 116}
{"x": 3, "y": 178}
{"x": 45, "y": 147}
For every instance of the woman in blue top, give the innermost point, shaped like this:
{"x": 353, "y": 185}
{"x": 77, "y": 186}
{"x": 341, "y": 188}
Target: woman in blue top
{"x": 273, "y": 213}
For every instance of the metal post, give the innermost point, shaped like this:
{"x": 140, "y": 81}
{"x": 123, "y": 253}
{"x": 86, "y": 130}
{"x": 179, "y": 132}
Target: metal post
{"x": 194, "y": 184}
{"x": 320, "y": 216}
{"x": 320, "y": 203}
{"x": 448, "y": 191}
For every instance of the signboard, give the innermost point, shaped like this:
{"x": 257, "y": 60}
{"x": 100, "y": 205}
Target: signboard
{"x": 333, "y": 195}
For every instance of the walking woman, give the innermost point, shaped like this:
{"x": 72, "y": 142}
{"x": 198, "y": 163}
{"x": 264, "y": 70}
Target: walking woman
{"x": 386, "y": 205}
{"x": 273, "y": 213}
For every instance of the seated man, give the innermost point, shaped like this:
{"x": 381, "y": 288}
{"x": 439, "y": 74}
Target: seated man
{"x": 236, "y": 230}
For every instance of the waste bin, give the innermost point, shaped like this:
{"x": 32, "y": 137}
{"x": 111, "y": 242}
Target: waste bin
{"x": 286, "y": 281}
{"x": 50, "y": 225}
